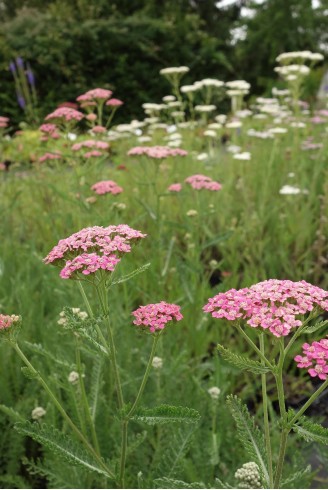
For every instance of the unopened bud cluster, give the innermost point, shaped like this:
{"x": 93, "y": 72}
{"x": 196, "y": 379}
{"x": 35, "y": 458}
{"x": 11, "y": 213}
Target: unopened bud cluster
{"x": 248, "y": 476}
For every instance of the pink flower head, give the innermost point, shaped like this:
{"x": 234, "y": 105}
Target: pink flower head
{"x": 114, "y": 102}
{"x": 99, "y": 145}
{"x": 274, "y": 304}
{"x": 4, "y": 121}
{"x": 112, "y": 242}
{"x": 95, "y": 94}
{"x": 91, "y": 117}
{"x": 156, "y": 316}
{"x": 174, "y": 188}
{"x": 93, "y": 153}
{"x": 49, "y": 156}
{"x": 157, "y": 151}
{"x": 107, "y": 187}
{"x": 99, "y": 129}
{"x": 65, "y": 114}
{"x": 315, "y": 357}
{"x": 89, "y": 264}
{"x": 200, "y": 181}
{"x": 6, "y": 321}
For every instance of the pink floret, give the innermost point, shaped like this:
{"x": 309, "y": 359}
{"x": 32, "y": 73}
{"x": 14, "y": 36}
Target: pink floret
{"x": 157, "y": 151}
{"x": 107, "y": 187}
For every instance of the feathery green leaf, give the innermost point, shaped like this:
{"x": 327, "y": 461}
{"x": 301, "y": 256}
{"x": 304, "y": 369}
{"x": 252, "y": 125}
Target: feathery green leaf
{"x": 242, "y": 362}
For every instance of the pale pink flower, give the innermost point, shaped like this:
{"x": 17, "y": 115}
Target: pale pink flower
{"x": 95, "y": 94}
{"x": 315, "y": 357}
{"x": 174, "y": 188}
{"x": 200, "y": 181}
{"x": 91, "y": 117}
{"x": 275, "y": 304}
{"x": 49, "y": 156}
{"x": 99, "y": 129}
{"x": 93, "y": 153}
{"x": 89, "y": 264}
{"x": 6, "y": 321}
{"x": 65, "y": 113}
{"x": 157, "y": 151}
{"x": 107, "y": 187}
{"x": 114, "y": 102}
{"x": 156, "y": 316}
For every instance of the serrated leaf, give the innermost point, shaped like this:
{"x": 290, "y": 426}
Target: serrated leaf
{"x": 249, "y": 434}
{"x": 295, "y": 477}
{"x": 11, "y": 413}
{"x": 221, "y": 484}
{"x": 60, "y": 444}
{"x": 86, "y": 335}
{"x": 166, "y": 414}
{"x": 175, "y": 451}
{"x": 132, "y": 274}
{"x": 242, "y": 362}
{"x": 165, "y": 482}
{"x": 314, "y": 328}
{"x": 310, "y": 431}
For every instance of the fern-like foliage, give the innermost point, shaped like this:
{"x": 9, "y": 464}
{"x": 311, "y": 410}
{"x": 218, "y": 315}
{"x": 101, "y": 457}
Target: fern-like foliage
{"x": 311, "y": 431}
{"x": 314, "y": 328}
{"x": 296, "y": 478}
{"x": 171, "y": 483}
{"x": 174, "y": 453}
{"x": 96, "y": 386}
{"x": 60, "y": 444}
{"x": 166, "y": 414}
{"x": 249, "y": 434}
{"x": 242, "y": 362}
{"x": 131, "y": 275}
{"x": 11, "y": 413}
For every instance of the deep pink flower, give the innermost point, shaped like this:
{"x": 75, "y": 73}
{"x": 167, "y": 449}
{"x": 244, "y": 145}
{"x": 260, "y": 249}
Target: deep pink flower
{"x": 156, "y": 316}
{"x": 315, "y": 357}
{"x": 107, "y": 187}
{"x": 103, "y": 241}
{"x": 157, "y": 151}
{"x": 93, "y": 153}
{"x": 89, "y": 264}
{"x": 6, "y": 321}
{"x": 274, "y": 304}
{"x": 174, "y": 188}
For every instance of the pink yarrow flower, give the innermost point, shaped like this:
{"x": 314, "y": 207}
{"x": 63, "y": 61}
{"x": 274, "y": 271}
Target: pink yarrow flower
{"x": 107, "y": 187}
{"x": 315, "y": 357}
{"x": 49, "y": 156}
{"x": 99, "y": 145}
{"x": 65, "y": 113}
{"x": 200, "y": 181}
{"x": 156, "y": 316}
{"x": 98, "y": 129}
{"x": 157, "y": 151}
{"x": 174, "y": 188}
{"x": 114, "y": 102}
{"x": 95, "y": 94}
{"x": 274, "y": 304}
{"x": 84, "y": 250}
{"x": 89, "y": 264}
{"x": 6, "y": 321}
{"x": 93, "y": 153}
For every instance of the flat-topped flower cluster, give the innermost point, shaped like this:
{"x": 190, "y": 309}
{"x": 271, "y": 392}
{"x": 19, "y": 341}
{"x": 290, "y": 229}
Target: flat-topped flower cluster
{"x": 315, "y": 357}
{"x": 92, "y": 249}
{"x": 157, "y": 315}
{"x": 6, "y": 321}
{"x": 157, "y": 151}
{"x": 200, "y": 181}
{"x": 65, "y": 114}
{"x": 107, "y": 187}
{"x": 274, "y": 304}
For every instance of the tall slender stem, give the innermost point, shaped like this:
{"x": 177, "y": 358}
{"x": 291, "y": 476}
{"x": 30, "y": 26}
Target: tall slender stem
{"x": 255, "y": 348}
{"x": 309, "y": 402}
{"x": 145, "y": 378}
{"x": 282, "y": 408}
{"x": 85, "y": 402}
{"x": 266, "y": 415}
{"x": 86, "y": 301}
{"x": 66, "y": 417}
{"x": 124, "y": 445}
{"x": 281, "y": 458}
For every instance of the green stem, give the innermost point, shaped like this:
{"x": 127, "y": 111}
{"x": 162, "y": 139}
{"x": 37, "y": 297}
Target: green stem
{"x": 266, "y": 416}
{"x": 85, "y": 402}
{"x": 86, "y": 301}
{"x": 145, "y": 378}
{"x": 282, "y": 408}
{"x": 281, "y": 458}
{"x": 124, "y": 445}
{"x": 66, "y": 417}
{"x": 255, "y": 348}
{"x": 309, "y": 402}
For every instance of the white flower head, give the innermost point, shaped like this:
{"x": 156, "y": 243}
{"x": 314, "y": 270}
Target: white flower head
{"x": 214, "y": 392}
{"x": 73, "y": 377}
{"x": 38, "y": 413}
{"x": 157, "y": 363}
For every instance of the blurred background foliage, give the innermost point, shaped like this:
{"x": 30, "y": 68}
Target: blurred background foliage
{"x": 122, "y": 44}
